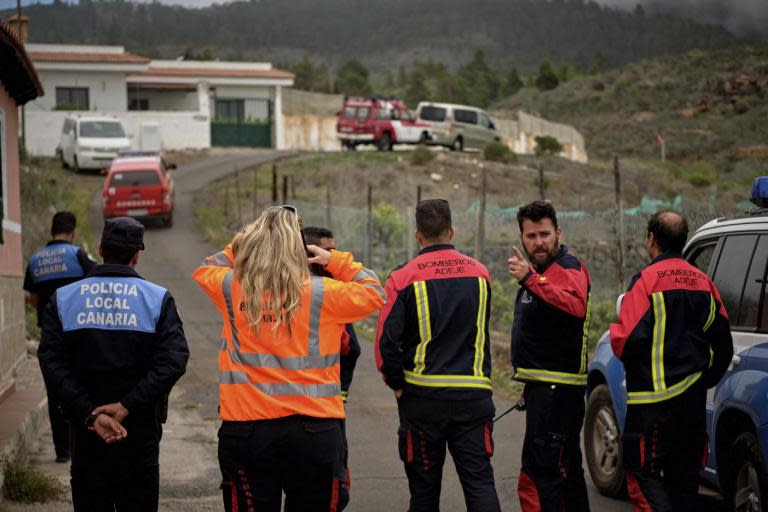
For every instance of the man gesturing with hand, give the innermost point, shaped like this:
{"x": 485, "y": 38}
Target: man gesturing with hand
{"x": 549, "y": 353}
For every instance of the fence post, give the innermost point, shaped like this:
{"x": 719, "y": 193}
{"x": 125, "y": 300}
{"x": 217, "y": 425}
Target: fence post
{"x": 274, "y": 184}
{"x": 418, "y": 195}
{"x": 238, "y": 206}
{"x": 369, "y": 228}
{"x": 225, "y": 184}
{"x": 285, "y": 189}
{"x": 254, "y": 198}
{"x": 541, "y": 180}
{"x": 293, "y": 187}
{"x": 620, "y": 217}
{"x": 480, "y": 236}
{"x": 328, "y": 206}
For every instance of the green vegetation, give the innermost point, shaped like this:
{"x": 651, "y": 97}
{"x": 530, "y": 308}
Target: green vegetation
{"x": 422, "y": 156}
{"x": 352, "y": 79}
{"x": 28, "y": 485}
{"x": 45, "y": 189}
{"x": 547, "y": 145}
{"x": 498, "y": 152}
{"x": 382, "y": 35}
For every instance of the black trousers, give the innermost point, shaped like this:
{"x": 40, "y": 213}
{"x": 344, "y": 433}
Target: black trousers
{"x": 59, "y": 427}
{"x": 297, "y": 455}
{"x": 122, "y": 477}
{"x": 466, "y": 428}
{"x": 664, "y": 449}
{"x": 551, "y": 477}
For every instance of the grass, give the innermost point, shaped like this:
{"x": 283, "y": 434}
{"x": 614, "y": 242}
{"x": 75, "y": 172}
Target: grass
{"x": 28, "y": 485}
{"x": 45, "y": 189}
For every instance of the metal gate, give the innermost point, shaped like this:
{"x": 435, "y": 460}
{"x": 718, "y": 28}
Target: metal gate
{"x": 242, "y": 122}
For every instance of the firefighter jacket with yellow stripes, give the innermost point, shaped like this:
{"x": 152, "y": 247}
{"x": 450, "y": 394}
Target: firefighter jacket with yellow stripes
{"x": 266, "y": 373}
{"x": 432, "y": 335}
{"x": 672, "y": 330}
{"x": 549, "y": 333}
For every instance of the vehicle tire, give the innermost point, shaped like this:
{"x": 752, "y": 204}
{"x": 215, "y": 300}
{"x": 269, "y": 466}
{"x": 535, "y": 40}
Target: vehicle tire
{"x": 458, "y": 144}
{"x": 168, "y": 220}
{"x": 75, "y": 165}
{"x": 746, "y": 483}
{"x": 350, "y": 146}
{"x": 602, "y": 444}
{"x": 424, "y": 138}
{"x": 385, "y": 142}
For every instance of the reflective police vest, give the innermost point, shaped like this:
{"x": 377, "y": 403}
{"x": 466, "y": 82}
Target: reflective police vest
{"x": 110, "y": 303}
{"x": 56, "y": 261}
{"x": 267, "y": 373}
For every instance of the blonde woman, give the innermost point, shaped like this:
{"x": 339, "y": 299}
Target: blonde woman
{"x": 279, "y": 388}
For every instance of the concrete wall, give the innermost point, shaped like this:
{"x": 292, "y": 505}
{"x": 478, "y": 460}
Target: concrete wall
{"x": 185, "y": 101}
{"x": 519, "y": 132}
{"x": 106, "y": 90}
{"x": 243, "y": 92}
{"x": 11, "y": 270}
{"x": 310, "y": 133}
{"x": 178, "y": 130}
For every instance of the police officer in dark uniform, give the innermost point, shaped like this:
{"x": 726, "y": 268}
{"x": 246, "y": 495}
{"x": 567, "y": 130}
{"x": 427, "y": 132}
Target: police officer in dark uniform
{"x": 112, "y": 348}
{"x": 58, "y": 264}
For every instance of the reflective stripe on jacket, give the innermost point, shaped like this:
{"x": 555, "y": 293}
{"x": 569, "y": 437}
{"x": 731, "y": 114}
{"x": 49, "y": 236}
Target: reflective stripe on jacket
{"x": 433, "y": 333}
{"x": 266, "y": 373}
{"x": 549, "y": 333}
{"x": 672, "y": 330}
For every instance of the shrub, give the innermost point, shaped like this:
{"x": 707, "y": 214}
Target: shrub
{"x": 28, "y": 485}
{"x": 548, "y": 144}
{"x": 498, "y": 152}
{"x": 421, "y": 156}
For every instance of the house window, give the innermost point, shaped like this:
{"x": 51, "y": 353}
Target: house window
{"x": 138, "y": 104}
{"x": 72, "y": 98}
{"x": 230, "y": 109}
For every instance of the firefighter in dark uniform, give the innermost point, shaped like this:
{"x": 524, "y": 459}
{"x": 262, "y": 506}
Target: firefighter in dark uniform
{"x": 433, "y": 350}
{"x": 350, "y": 352}
{"x": 674, "y": 339}
{"x": 112, "y": 348}
{"x": 549, "y": 354}
{"x": 58, "y": 264}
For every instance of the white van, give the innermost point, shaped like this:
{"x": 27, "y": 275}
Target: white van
{"x": 458, "y": 126}
{"x": 91, "y": 142}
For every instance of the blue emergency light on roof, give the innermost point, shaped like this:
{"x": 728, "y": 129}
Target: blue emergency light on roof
{"x": 760, "y": 192}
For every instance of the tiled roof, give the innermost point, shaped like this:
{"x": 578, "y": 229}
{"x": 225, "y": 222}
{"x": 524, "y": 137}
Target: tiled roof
{"x": 218, "y": 73}
{"x": 17, "y": 73}
{"x": 96, "y": 58}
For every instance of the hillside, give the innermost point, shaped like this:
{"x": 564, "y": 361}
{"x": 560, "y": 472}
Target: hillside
{"x": 710, "y": 108}
{"x": 383, "y": 35}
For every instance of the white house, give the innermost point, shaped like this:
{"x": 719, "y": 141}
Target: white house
{"x": 195, "y": 104}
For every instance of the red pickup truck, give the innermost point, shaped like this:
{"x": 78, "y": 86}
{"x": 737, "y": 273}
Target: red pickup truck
{"x": 379, "y": 122}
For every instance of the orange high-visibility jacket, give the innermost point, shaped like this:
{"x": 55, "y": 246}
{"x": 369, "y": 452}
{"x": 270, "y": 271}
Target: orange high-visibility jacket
{"x": 266, "y": 373}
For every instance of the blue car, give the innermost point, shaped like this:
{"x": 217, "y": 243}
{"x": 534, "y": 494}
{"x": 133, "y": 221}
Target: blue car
{"x": 734, "y": 253}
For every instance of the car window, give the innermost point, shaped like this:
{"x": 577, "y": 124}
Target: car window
{"x": 432, "y": 113}
{"x": 484, "y": 121}
{"x": 349, "y": 113}
{"x": 363, "y": 113}
{"x": 465, "y": 116}
{"x": 106, "y": 129}
{"x": 381, "y": 114}
{"x": 753, "y": 288}
{"x": 702, "y": 257}
{"x": 134, "y": 179}
{"x": 731, "y": 272}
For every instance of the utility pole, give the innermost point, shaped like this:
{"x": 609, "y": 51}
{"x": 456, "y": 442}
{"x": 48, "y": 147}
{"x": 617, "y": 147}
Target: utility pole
{"x": 620, "y": 217}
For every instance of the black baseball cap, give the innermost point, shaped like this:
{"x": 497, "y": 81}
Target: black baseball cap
{"x": 123, "y": 232}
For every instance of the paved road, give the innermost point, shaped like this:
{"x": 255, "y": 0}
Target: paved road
{"x": 189, "y": 468}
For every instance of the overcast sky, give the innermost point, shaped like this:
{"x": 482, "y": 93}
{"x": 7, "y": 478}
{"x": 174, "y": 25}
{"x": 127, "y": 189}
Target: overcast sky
{"x": 743, "y": 17}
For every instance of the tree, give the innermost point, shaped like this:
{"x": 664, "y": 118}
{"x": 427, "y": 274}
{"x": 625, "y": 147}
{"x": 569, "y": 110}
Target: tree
{"x": 352, "y": 79}
{"x": 482, "y": 82}
{"x": 547, "y": 79}
{"x": 548, "y": 145}
{"x": 310, "y": 77}
{"x": 512, "y": 84}
{"x": 417, "y": 89}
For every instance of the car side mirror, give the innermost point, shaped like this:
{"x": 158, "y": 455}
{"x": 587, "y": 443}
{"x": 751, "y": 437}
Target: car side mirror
{"x": 493, "y": 126}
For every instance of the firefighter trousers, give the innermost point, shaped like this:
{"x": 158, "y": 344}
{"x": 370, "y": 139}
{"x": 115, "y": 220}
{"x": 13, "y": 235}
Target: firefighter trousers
{"x": 551, "y": 477}
{"x": 664, "y": 448}
{"x": 297, "y": 455}
{"x": 465, "y": 427}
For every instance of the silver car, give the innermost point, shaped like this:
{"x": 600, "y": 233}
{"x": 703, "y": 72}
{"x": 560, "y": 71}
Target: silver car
{"x": 458, "y": 126}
